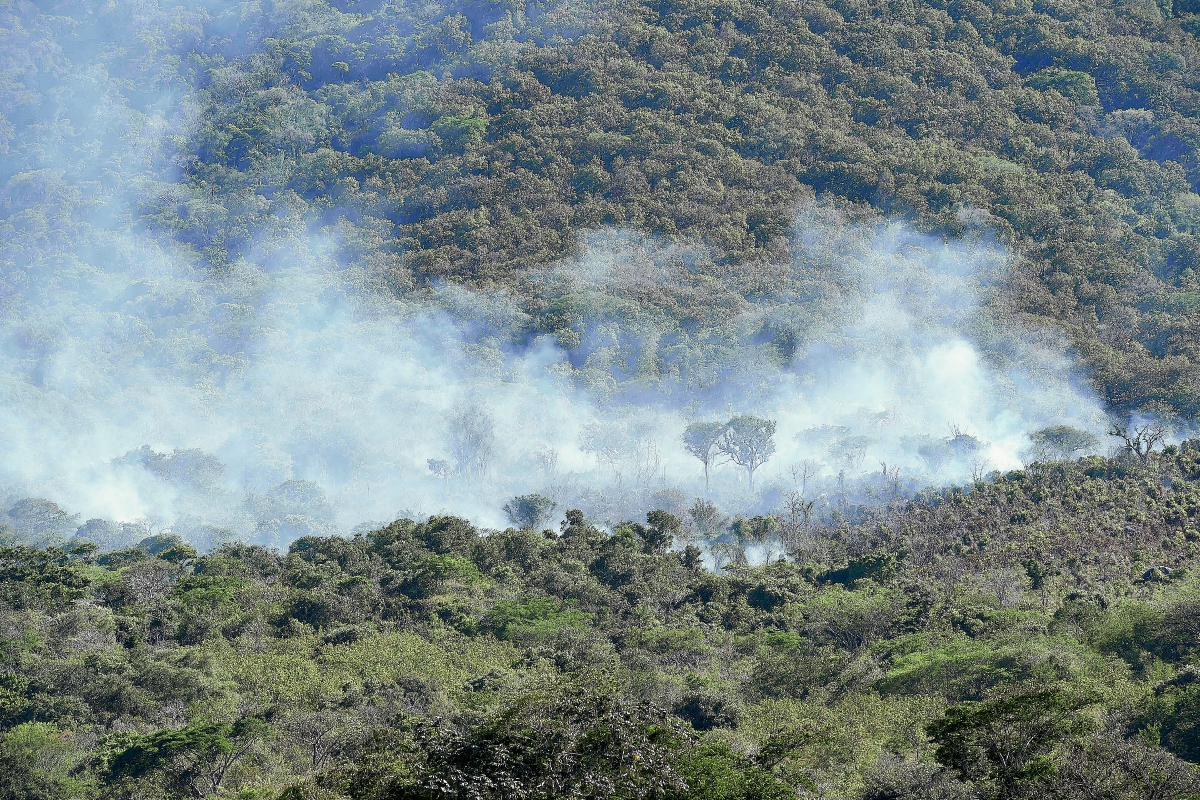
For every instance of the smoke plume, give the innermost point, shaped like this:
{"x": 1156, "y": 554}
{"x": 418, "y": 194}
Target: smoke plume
{"x": 284, "y": 393}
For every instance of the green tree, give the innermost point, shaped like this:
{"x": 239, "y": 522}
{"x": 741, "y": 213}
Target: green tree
{"x": 192, "y": 761}
{"x": 664, "y": 528}
{"x": 36, "y": 763}
{"x": 1061, "y": 442}
{"x": 762, "y": 531}
{"x": 529, "y": 510}
{"x": 1009, "y": 745}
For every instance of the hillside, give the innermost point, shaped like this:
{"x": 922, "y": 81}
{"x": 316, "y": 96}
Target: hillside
{"x": 476, "y": 142}
{"x": 785, "y": 334}
{"x": 894, "y": 657}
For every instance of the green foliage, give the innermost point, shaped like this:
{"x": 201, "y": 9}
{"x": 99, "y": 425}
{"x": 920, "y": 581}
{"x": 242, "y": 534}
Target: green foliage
{"x": 1009, "y": 742}
{"x": 473, "y": 144}
{"x": 529, "y": 510}
{"x": 536, "y": 617}
{"x": 37, "y": 760}
{"x": 880, "y": 567}
{"x": 700, "y": 439}
{"x": 715, "y": 772}
{"x": 925, "y": 653}
{"x": 1060, "y": 442}
{"x": 1078, "y": 86}
{"x": 192, "y": 761}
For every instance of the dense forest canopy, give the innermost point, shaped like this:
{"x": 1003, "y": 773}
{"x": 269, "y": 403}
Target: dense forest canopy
{"x": 475, "y": 142}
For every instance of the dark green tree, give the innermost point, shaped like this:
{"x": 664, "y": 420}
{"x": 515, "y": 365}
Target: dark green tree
{"x": 529, "y": 510}
{"x": 1009, "y": 745}
{"x": 189, "y": 762}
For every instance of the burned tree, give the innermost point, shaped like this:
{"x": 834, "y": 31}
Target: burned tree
{"x": 1140, "y": 438}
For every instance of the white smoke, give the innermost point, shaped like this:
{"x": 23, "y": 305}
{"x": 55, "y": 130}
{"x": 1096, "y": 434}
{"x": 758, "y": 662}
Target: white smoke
{"x": 288, "y": 370}
{"x": 284, "y": 393}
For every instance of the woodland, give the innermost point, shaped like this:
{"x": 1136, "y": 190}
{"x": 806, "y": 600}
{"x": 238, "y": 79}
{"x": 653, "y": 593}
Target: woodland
{"x": 1030, "y": 636}
{"x": 1030, "y": 633}
{"x": 476, "y": 143}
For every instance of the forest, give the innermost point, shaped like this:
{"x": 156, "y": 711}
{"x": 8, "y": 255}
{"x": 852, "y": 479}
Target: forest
{"x": 1030, "y": 636}
{"x": 472, "y": 400}
{"x": 475, "y": 147}
{"x": 475, "y": 143}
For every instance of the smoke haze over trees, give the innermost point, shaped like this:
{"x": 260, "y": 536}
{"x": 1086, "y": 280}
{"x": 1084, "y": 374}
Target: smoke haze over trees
{"x": 684, "y": 400}
{"x": 293, "y": 241}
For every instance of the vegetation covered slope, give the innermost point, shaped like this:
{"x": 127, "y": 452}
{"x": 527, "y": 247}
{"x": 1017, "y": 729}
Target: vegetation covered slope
{"x": 970, "y": 643}
{"x": 473, "y": 142}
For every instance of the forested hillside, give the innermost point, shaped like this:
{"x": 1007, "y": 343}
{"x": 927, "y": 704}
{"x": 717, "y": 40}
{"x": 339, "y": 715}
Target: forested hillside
{"x": 691, "y": 270}
{"x": 1032, "y": 637}
{"x": 474, "y": 142}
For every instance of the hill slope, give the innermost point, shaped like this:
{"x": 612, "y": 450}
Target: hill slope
{"x": 889, "y": 658}
{"x": 474, "y": 142}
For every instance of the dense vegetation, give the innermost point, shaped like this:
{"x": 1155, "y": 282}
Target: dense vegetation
{"x": 476, "y": 142}
{"x": 637, "y": 180}
{"x": 974, "y": 642}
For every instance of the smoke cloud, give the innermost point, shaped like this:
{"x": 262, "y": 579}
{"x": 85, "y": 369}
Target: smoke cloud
{"x": 283, "y": 394}
{"x": 279, "y": 397}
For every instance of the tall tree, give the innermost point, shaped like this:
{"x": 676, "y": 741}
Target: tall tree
{"x": 700, "y": 439}
{"x": 749, "y": 442}
{"x": 472, "y": 438}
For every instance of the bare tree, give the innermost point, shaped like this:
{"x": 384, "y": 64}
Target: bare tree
{"x": 727, "y": 552}
{"x": 1110, "y": 765}
{"x": 979, "y": 469}
{"x": 321, "y": 733}
{"x": 700, "y": 439}
{"x": 646, "y": 461}
{"x": 548, "y": 459}
{"x": 802, "y": 471}
{"x": 793, "y": 523}
{"x": 606, "y": 442}
{"x": 748, "y": 441}
{"x": 850, "y": 450}
{"x": 1140, "y": 439}
{"x": 472, "y": 438}
{"x": 890, "y": 479}
{"x": 439, "y": 467}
